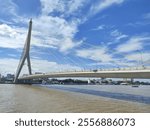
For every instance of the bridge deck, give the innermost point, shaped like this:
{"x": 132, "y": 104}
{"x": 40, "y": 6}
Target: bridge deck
{"x": 143, "y": 74}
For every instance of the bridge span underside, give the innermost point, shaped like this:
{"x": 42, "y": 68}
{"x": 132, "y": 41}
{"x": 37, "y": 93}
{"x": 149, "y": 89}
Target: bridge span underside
{"x": 138, "y": 74}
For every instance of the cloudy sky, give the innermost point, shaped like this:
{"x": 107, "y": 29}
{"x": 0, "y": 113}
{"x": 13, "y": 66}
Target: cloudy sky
{"x": 75, "y": 34}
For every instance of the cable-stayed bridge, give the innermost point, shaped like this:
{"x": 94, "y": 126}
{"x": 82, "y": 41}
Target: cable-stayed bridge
{"x": 141, "y": 73}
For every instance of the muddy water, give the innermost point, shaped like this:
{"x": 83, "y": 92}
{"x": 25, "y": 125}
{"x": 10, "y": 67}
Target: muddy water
{"x": 27, "y": 98}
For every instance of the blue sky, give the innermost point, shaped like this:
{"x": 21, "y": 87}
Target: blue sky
{"x": 75, "y": 34}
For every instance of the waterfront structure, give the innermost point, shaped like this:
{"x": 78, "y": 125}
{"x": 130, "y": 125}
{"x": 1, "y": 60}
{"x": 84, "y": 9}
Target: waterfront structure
{"x": 25, "y": 54}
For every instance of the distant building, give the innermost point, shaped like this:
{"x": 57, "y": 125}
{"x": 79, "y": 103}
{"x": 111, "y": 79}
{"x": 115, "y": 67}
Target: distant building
{"x": 10, "y": 77}
{"x": 38, "y": 73}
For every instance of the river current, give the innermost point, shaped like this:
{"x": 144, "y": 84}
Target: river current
{"x": 74, "y": 98}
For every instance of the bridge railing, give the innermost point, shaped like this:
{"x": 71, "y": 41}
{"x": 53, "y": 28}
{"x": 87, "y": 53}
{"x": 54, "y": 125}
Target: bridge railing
{"x": 111, "y": 69}
{"x": 129, "y": 68}
{"x": 98, "y": 70}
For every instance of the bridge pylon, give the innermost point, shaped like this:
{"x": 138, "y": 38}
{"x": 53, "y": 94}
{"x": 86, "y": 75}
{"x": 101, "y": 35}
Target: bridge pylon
{"x": 25, "y": 54}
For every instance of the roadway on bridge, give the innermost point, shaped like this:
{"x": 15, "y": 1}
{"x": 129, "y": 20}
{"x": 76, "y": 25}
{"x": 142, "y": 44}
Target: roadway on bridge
{"x": 139, "y": 74}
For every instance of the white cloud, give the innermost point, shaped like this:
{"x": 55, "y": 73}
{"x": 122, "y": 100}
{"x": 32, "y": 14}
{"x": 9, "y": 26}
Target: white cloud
{"x": 6, "y": 30}
{"x": 56, "y": 32}
{"x": 96, "y": 54}
{"x": 75, "y": 6}
{"x": 48, "y": 6}
{"x": 103, "y": 4}
{"x": 9, "y": 65}
{"x": 65, "y": 7}
{"x": 133, "y": 44}
{"x": 100, "y": 27}
{"x": 12, "y": 37}
{"x": 48, "y": 31}
{"x": 118, "y": 35}
{"x": 8, "y": 7}
{"x": 139, "y": 57}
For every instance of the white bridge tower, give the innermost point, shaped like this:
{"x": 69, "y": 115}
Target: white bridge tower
{"x": 25, "y": 54}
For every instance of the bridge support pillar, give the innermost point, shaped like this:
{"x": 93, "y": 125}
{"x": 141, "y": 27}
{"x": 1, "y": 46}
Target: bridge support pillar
{"x": 132, "y": 80}
{"x": 25, "y": 55}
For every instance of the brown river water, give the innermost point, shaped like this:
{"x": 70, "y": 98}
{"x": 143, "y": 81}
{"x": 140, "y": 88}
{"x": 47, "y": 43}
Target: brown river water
{"x": 29, "y": 98}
